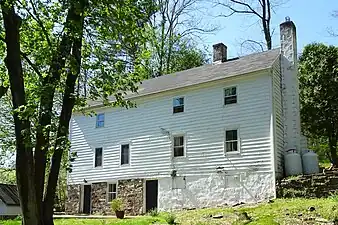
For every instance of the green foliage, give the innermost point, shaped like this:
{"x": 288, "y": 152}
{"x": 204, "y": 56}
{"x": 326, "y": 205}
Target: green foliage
{"x": 170, "y": 218}
{"x": 318, "y": 77}
{"x": 117, "y": 204}
{"x": 153, "y": 212}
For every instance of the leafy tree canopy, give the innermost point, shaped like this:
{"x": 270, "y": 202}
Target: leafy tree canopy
{"x": 318, "y": 77}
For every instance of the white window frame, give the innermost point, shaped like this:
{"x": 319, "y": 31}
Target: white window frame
{"x": 125, "y": 143}
{"x": 97, "y": 120}
{"x": 238, "y": 141}
{"x": 230, "y": 87}
{"x": 94, "y": 151}
{"x": 173, "y": 106}
{"x": 184, "y": 145}
{"x": 108, "y": 193}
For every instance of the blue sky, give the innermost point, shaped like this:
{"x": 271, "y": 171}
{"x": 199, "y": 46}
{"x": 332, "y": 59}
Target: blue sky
{"x": 313, "y": 18}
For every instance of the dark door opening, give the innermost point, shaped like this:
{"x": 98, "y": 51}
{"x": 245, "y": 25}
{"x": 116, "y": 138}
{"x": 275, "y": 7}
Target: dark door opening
{"x": 87, "y": 189}
{"x": 151, "y": 194}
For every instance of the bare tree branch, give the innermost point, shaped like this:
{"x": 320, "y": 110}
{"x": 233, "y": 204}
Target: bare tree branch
{"x": 259, "y": 8}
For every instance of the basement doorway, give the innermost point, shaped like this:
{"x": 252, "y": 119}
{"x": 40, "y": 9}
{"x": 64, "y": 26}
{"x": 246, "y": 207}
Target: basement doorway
{"x": 151, "y": 194}
{"x": 87, "y": 192}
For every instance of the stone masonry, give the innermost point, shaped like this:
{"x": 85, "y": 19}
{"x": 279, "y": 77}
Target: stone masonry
{"x": 131, "y": 191}
{"x": 310, "y": 186}
{"x": 99, "y": 199}
{"x": 73, "y": 202}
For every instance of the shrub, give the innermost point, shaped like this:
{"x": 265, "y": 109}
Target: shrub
{"x": 117, "y": 205}
{"x": 170, "y": 219}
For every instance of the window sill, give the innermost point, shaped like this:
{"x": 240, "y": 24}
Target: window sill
{"x": 125, "y": 165}
{"x": 233, "y": 153}
{"x": 98, "y": 167}
{"x": 230, "y": 105}
{"x": 179, "y": 113}
{"x": 179, "y": 157}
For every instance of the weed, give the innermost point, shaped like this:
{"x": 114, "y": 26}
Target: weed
{"x": 170, "y": 218}
{"x": 153, "y": 212}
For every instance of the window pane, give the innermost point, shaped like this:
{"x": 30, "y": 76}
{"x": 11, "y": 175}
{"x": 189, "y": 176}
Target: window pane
{"x": 231, "y": 146}
{"x": 178, "y": 101}
{"x": 178, "y": 109}
{"x": 230, "y": 100}
{"x": 178, "y": 151}
{"x": 178, "y": 105}
{"x": 110, "y": 187}
{"x": 233, "y": 91}
{"x": 124, "y": 154}
{"x": 98, "y": 157}
{"x": 100, "y": 120}
{"x": 230, "y": 91}
{"x": 114, "y": 187}
{"x": 179, "y": 141}
{"x": 100, "y": 117}
{"x": 231, "y": 135}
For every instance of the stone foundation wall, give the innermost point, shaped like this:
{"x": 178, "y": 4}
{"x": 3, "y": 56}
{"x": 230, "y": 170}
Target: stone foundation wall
{"x": 99, "y": 199}
{"x": 72, "y": 205}
{"x": 131, "y": 191}
{"x": 310, "y": 186}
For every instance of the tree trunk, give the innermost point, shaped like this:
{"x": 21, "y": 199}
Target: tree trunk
{"x": 24, "y": 153}
{"x": 46, "y": 105}
{"x": 333, "y": 151}
{"x": 68, "y": 103}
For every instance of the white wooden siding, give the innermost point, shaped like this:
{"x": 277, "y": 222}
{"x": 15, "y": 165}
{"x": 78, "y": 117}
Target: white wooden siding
{"x": 203, "y": 122}
{"x": 278, "y": 119}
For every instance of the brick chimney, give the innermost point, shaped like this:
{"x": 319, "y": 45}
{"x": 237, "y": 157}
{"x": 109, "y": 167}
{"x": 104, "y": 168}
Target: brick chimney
{"x": 220, "y": 53}
{"x": 290, "y": 85}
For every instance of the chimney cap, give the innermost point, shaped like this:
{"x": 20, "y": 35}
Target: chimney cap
{"x": 219, "y": 44}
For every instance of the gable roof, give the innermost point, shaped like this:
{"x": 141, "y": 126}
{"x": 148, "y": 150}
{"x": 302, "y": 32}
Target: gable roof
{"x": 9, "y": 194}
{"x": 206, "y": 73}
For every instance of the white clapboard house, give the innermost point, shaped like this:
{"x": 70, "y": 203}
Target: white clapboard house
{"x": 203, "y": 137}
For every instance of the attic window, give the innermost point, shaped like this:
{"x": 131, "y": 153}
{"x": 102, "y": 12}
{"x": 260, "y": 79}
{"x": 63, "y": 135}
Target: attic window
{"x": 178, "y": 105}
{"x": 230, "y": 95}
{"x": 100, "y": 120}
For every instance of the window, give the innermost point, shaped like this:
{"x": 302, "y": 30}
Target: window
{"x": 231, "y": 141}
{"x": 98, "y": 157}
{"x": 112, "y": 193}
{"x": 230, "y": 95}
{"x": 178, "y": 146}
{"x": 124, "y": 154}
{"x": 100, "y": 120}
{"x": 178, "y": 105}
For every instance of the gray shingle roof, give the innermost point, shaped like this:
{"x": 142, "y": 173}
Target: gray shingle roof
{"x": 9, "y": 194}
{"x": 206, "y": 73}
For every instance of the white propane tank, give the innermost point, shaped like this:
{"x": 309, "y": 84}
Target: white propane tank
{"x": 310, "y": 162}
{"x": 293, "y": 163}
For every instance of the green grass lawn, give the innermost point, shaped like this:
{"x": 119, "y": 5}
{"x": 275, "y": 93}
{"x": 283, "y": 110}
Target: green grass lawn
{"x": 281, "y": 211}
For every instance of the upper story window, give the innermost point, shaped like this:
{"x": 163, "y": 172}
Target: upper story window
{"x": 230, "y": 95}
{"x": 178, "y": 145}
{"x": 231, "y": 141}
{"x": 112, "y": 191}
{"x": 98, "y": 157}
{"x": 100, "y": 120}
{"x": 125, "y": 154}
{"x": 178, "y": 105}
